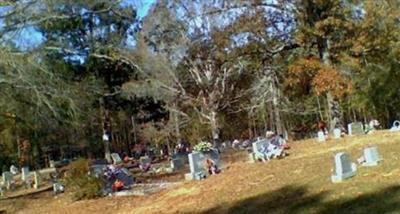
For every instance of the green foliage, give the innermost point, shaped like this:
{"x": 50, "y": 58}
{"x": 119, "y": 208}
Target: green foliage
{"x": 81, "y": 183}
{"x": 203, "y": 146}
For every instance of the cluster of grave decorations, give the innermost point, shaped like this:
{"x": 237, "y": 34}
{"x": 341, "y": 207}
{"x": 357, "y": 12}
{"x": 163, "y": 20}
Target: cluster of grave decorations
{"x": 265, "y": 149}
{"x": 345, "y": 169}
{"x": 15, "y": 180}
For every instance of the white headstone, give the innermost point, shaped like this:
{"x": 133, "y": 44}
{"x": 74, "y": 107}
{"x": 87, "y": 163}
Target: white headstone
{"x": 13, "y": 169}
{"x": 371, "y": 156}
{"x": 343, "y": 167}
{"x": 144, "y": 160}
{"x": 395, "y": 126}
{"x": 36, "y": 180}
{"x": 337, "y": 133}
{"x": 355, "y": 128}
{"x": 116, "y": 158}
{"x": 321, "y": 136}
{"x": 25, "y": 173}
{"x": 7, "y": 179}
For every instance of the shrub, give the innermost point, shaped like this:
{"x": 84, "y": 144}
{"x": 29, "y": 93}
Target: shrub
{"x": 81, "y": 183}
{"x": 203, "y": 147}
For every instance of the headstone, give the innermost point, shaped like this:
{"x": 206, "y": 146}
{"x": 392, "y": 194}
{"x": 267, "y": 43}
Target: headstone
{"x": 177, "y": 163}
{"x": 116, "y": 158}
{"x": 321, "y": 136}
{"x": 196, "y": 163}
{"x": 58, "y": 188}
{"x": 371, "y": 156}
{"x": 7, "y": 179}
{"x": 37, "y": 180}
{"x": 337, "y": 133}
{"x": 395, "y": 126}
{"x": 97, "y": 170}
{"x": 24, "y": 173}
{"x": 51, "y": 163}
{"x": 257, "y": 147}
{"x": 343, "y": 167}
{"x": 144, "y": 160}
{"x": 13, "y": 170}
{"x": 252, "y": 158}
{"x": 355, "y": 128}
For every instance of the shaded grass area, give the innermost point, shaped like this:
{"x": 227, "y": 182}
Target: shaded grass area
{"x": 297, "y": 199}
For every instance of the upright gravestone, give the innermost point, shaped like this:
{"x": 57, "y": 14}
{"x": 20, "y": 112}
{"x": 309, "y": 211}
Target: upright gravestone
{"x": 116, "y": 158}
{"x": 144, "y": 160}
{"x": 177, "y": 163}
{"x": 371, "y": 156}
{"x": 25, "y": 173}
{"x": 36, "y": 180}
{"x": 355, "y": 128}
{"x": 396, "y": 126}
{"x": 343, "y": 167}
{"x": 196, "y": 164}
{"x": 258, "y": 148}
{"x": 7, "y": 179}
{"x": 321, "y": 136}
{"x": 336, "y": 133}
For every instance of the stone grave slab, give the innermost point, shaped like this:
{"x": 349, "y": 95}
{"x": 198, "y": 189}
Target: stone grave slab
{"x": 371, "y": 156}
{"x": 177, "y": 163}
{"x": 344, "y": 168}
{"x": 196, "y": 165}
{"x": 355, "y": 128}
{"x": 396, "y": 126}
{"x": 321, "y": 136}
{"x": 258, "y": 147}
{"x": 25, "y": 173}
{"x": 37, "y": 180}
{"x": 7, "y": 179}
{"x": 116, "y": 158}
{"x": 337, "y": 133}
{"x": 144, "y": 160}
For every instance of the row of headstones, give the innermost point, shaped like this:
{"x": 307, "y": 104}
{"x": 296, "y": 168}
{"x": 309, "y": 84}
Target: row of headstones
{"x": 355, "y": 128}
{"x": 117, "y": 159}
{"x": 8, "y": 178}
{"x": 344, "y": 168}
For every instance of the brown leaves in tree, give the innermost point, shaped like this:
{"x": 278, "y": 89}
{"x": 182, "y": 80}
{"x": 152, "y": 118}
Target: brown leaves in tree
{"x": 311, "y": 72}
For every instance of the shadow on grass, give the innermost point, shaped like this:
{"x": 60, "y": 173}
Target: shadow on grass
{"x": 297, "y": 199}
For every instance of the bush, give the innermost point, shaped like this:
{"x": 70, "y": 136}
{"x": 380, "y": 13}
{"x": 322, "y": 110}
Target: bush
{"x": 203, "y": 147}
{"x": 81, "y": 183}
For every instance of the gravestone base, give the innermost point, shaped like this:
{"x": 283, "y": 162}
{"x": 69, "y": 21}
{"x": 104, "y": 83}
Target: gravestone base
{"x": 370, "y": 163}
{"x": 371, "y": 156}
{"x": 196, "y": 176}
{"x": 341, "y": 177}
{"x": 252, "y": 158}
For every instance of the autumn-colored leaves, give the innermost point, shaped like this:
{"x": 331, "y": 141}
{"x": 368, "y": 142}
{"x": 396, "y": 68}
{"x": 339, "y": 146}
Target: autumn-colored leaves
{"x": 321, "y": 78}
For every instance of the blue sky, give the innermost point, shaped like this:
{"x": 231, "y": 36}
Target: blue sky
{"x": 29, "y": 37}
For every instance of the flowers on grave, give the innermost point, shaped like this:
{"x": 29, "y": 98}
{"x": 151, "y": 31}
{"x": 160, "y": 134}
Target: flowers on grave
{"x": 203, "y": 146}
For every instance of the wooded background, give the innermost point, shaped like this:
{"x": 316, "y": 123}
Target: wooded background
{"x": 189, "y": 69}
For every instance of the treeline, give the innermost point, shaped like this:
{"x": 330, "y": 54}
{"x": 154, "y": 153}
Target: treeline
{"x": 189, "y": 69}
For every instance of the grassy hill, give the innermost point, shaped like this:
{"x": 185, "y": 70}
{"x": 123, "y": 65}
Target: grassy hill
{"x": 299, "y": 183}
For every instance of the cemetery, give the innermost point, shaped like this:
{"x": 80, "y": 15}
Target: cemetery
{"x": 350, "y": 163}
{"x": 199, "y": 106}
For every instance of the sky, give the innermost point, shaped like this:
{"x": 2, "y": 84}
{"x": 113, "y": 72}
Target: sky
{"x": 29, "y": 37}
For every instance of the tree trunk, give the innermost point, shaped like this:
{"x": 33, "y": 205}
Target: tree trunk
{"x": 214, "y": 128}
{"x": 277, "y": 116}
{"x": 106, "y": 131}
{"x": 175, "y": 117}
